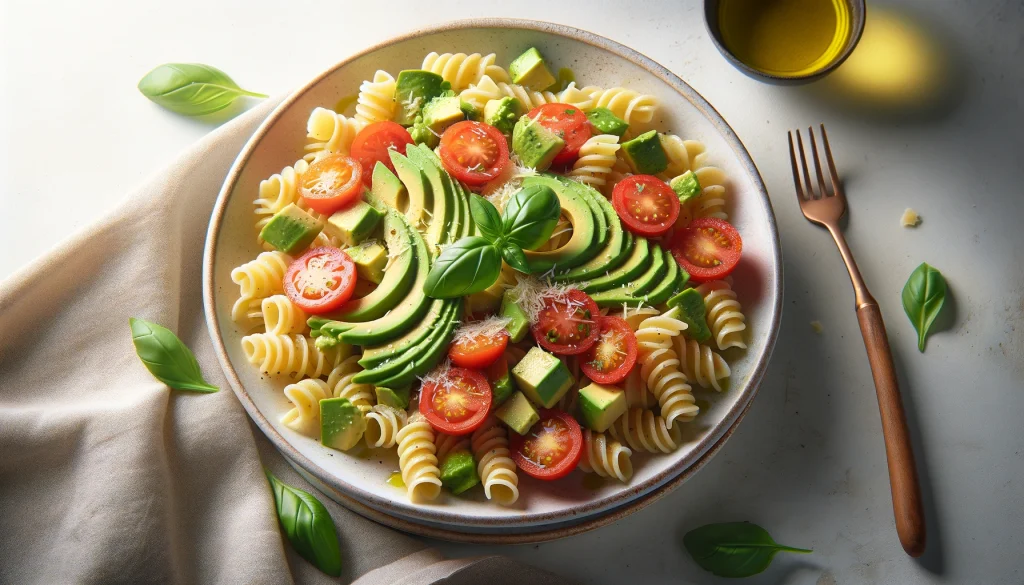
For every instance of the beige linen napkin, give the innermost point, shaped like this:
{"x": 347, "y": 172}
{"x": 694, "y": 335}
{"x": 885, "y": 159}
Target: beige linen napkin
{"x": 106, "y": 476}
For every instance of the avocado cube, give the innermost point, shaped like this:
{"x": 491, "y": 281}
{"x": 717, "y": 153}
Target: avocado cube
{"x": 341, "y": 423}
{"x": 470, "y": 111}
{"x": 442, "y": 112}
{"x": 291, "y": 230}
{"x": 691, "y": 312}
{"x": 686, "y": 186}
{"x": 501, "y": 383}
{"x": 601, "y": 405}
{"x": 529, "y": 69}
{"x": 518, "y": 413}
{"x": 414, "y": 88}
{"x": 542, "y": 377}
{"x": 646, "y": 154}
{"x": 518, "y": 322}
{"x": 606, "y": 122}
{"x": 370, "y": 258}
{"x": 394, "y": 397}
{"x": 535, "y": 145}
{"x": 422, "y": 134}
{"x": 354, "y": 224}
{"x": 458, "y": 472}
{"x": 503, "y": 113}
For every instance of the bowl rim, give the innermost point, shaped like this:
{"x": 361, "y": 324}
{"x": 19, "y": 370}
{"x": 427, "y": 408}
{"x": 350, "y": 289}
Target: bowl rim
{"x": 660, "y": 483}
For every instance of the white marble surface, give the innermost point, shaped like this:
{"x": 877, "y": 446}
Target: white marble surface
{"x": 807, "y": 462}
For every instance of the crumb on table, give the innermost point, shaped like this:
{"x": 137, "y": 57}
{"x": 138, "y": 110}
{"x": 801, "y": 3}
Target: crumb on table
{"x": 816, "y": 325}
{"x": 910, "y": 218}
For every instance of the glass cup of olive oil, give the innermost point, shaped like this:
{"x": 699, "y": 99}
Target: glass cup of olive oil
{"x": 785, "y": 41}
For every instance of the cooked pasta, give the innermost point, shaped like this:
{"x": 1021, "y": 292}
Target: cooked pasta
{"x": 636, "y": 390}
{"x": 643, "y": 430}
{"x": 462, "y": 70}
{"x": 305, "y": 396}
{"x": 575, "y": 96}
{"x": 447, "y": 444}
{"x": 636, "y": 315}
{"x": 712, "y": 199}
{"x": 329, "y": 132}
{"x": 495, "y": 467}
{"x": 416, "y": 460}
{"x": 277, "y": 192}
{"x": 700, "y": 363}
{"x": 605, "y": 457}
{"x": 376, "y": 100}
{"x": 724, "y": 314}
{"x": 382, "y": 425}
{"x": 560, "y": 236}
{"x": 660, "y": 367}
{"x": 294, "y": 355}
{"x": 488, "y": 89}
{"x": 257, "y": 280}
{"x": 340, "y": 382}
{"x": 683, "y": 155}
{"x": 597, "y": 158}
{"x": 281, "y": 316}
{"x": 631, "y": 106}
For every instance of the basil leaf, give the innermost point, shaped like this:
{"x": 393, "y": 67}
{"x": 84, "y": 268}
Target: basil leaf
{"x": 308, "y": 526}
{"x": 515, "y": 257}
{"x": 530, "y": 216}
{"x": 923, "y": 296}
{"x": 166, "y": 357}
{"x": 733, "y": 549}
{"x": 468, "y": 266}
{"x": 486, "y": 217}
{"x": 191, "y": 89}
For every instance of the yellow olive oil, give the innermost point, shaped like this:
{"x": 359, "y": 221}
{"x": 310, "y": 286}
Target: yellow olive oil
{"x": 395, "y": 480}
{"x": 785, "y": 38}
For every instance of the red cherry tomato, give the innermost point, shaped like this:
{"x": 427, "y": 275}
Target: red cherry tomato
{"x": 458, "y": 403}
{"x": 567, "y": 327}
{"x": 551, "y": 448}
{"x": 473, "y": 152}
{"x": 331, "y": 183}
{"x": 708, "y": 248}
{"x": 479, "y": 351}
{"x": 321, "y": 280}
{"x": 374, "y": 143}
{"x": 645, "y": 204}
{"x": 614, "y": 354}
{"x": 571, "y": 125}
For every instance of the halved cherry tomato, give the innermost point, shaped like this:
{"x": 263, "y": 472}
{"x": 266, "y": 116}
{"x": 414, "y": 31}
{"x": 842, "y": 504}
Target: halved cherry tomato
{"x": 708, "y": 248}
{"x": 321, "y": 280}
{"x": 374, "y": 143}
{"x": 571, "y": 125}
{"x": 614, "y": 354}
{"x": 567, "y": 327}
{"x": 473, "y": 152}
{"x": 479, "y": 351}
{"x": 458, "y": 403}
{"x": 551, "y": 448}
{"x": 645, "y": 204}
{"x": 331, "y": 183}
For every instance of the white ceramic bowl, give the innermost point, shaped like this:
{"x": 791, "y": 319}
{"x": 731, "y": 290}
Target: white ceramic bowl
{"x": 359, "y": 481}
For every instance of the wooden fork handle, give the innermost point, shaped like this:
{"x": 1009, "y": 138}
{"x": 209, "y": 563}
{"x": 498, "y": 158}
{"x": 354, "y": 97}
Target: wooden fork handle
{"x": 906, "y": 493}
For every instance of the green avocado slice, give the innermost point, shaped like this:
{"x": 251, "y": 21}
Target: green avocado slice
{"x": 427, "y": 360}
{"x": 600, "y": 219}
{"x": 668, "y": 285}
{"x": 611, "y": 256}
{"x": 637, "y": 262}
{"x": 442, "y": 215}
{"x": 376, "y": 355}
{"x": 635, "y": 290}
{"x": 397, "y": 279}
{"x": 417, "y": 191}
{"x": 401, "y": 370}
{"x": 581, "y": 247}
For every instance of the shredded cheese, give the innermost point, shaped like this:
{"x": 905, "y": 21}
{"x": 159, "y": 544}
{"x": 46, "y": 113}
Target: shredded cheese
{"x": 475, "y": 330}
{"x": 531, "y": 294}
{"x": 439, "y": 376}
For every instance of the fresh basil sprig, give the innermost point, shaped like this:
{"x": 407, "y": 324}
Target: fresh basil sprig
{"x": 192, "y": 89}
{"x": 308, "y": 526}
{"x": 167, "y": 358}
{"x": 531, "y": 216}
{"x": 486, "y": 217}
{"x": 923, "y": 296}
{"x": 734, "y": 549}
{"x": 468, "y": 266}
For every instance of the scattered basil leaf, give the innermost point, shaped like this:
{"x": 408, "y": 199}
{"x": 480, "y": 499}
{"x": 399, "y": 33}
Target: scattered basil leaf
{"x": 923, "y": 296}
{"x": 530, "y": 216}
{"x": 468, "y": 266}
{"x": 166, "y": 357}
{"x": 192, "y": 89}
{"x": 515, "y": 257}
{"x": 486, "y": 217}
{"x": 733, "y": 549}
{"x": 308, "y": 526}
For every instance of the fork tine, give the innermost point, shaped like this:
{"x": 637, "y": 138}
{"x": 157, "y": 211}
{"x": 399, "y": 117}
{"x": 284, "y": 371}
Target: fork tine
{"x": 803, "y": 165}
{"x": 796, "y": 174}
{"x": 831, "y": 164}
{"x": 817, "y": 163}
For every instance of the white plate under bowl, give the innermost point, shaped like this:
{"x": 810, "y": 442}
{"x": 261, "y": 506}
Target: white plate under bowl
{"x": 542, "y": 505}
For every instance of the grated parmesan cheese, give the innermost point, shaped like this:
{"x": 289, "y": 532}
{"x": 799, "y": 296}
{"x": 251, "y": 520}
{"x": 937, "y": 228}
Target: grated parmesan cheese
{"x": 531, "y": 293}
{"x": 489, "y": 327}
{"x": 439, "y": 376}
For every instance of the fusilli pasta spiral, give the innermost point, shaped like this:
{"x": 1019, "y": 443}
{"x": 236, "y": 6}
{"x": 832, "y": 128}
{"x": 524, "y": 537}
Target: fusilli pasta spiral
{"x": 645, "y": 431}
{"x": 487, "y": 89}
{"x": 417, "y": 461}
{"x": 257, "y": 280}
{"x": 277, "y": 192}
{"x": 447, "y": 444}
{"x": 660, "y": 367}
{"x": 631, "y": 106}
{"x": 597, "y": 157}
{"x": 495, "y": 467}
{"x": 376, "y": 100}
{"x": 382, "y": 425}
{"x": 281, "y": 316}
{"x": 289, "y": 354}
{"x": 305, "y": 396}
{"x": 683, "y": 155}
{"x": 605, "y": 457}
{"x": 700, "y": 363}
{"x": 340, "y": 382}
{"x": 575, "y": 96}
{"x": 462, "y": 70}
{"x": 636, "y": 390}
{"x": 634, "y": 316}
{"x": 724, "y": 314}
{"x": 712, "y": 199}
{"x": 329, "y": 132}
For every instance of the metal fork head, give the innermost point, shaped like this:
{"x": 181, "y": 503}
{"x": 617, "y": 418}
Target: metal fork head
{"x": 823, "y": 206}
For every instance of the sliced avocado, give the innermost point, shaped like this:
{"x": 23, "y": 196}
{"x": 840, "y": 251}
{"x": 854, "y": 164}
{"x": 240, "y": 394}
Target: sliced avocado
{"x": 442, "y": 112}
{"x": 646, "y": 154}
{"x": 582, "y": 246}
{"x": 424, "y": 362}
{"x": 353, "y": 224}
{"x": 418, "y": 200}
{"x": 370, "y": 258}
{"x": 386, "y": 187}
{"x": 591, "y": 196}
{"x": 638, "y": 288}
{"x": 291, "y": 229}
{"x": 393, "y": 397}
{"x": 518, "y": 323}
{"x": 601, "y": 405}
{"x": 611, "y": 256}
{"x": 397, "y": 280}
{"x": 542, "y": 377}
{"x": 413, "y": 90}
{"x": 669, "y": 284}
{"x": 468, "y": 225}
{"x": 531, "y": 70}
{"x": 535, "y": 145}
{"x": 635, "y": 264}
{"x": 439, "y": 229}
{"x": 686, "y": 186}
{"x": 378, "y": 354}
{"x": 503, "y": 113}
{"x": 606, "y": 122}
{"x": 518, "y": 413}
{"x": 458, "y": 471}
{"x": 403, "y": 368}
{"x": 341, "y": 423}
{"x": 692, "y": 312}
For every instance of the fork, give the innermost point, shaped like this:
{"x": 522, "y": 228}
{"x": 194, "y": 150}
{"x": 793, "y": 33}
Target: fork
{"x": 825, "y": 208}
